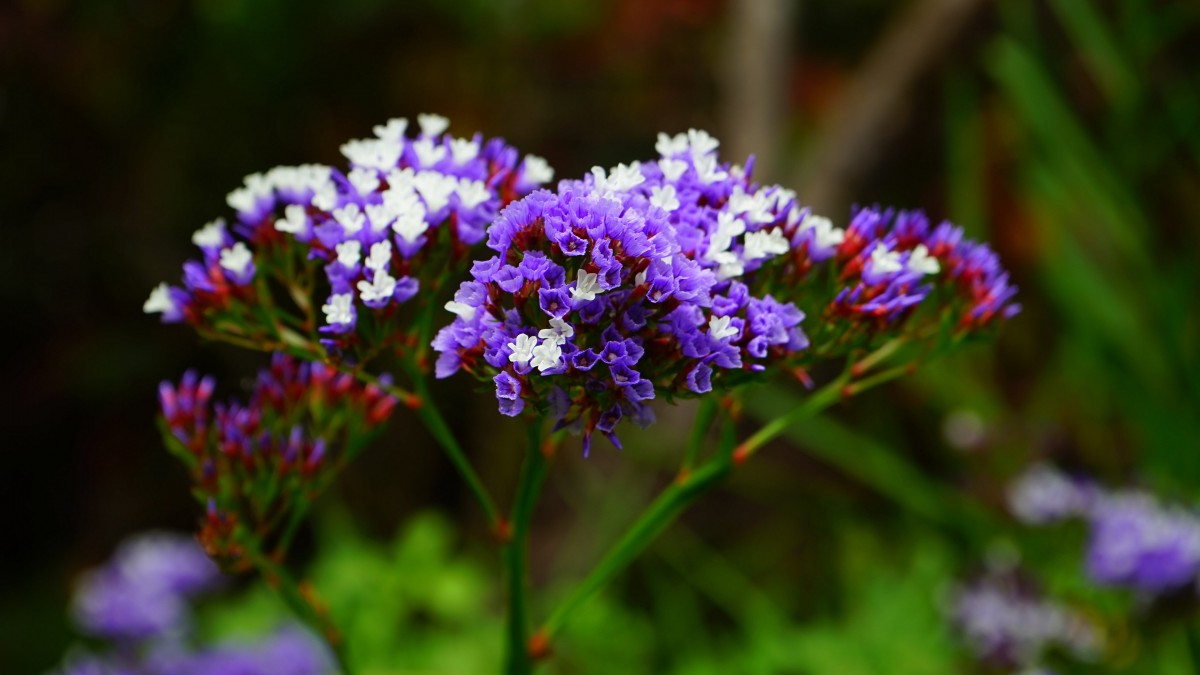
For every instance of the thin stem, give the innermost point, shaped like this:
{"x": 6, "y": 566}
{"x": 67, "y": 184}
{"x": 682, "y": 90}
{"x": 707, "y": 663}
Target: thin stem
{"x": 518, "y": 659}
{"x": 429, "y": 414}
{"x": 289, "y": 590}
{"x": 823, "y": 398}
{"x": 704, "y": 419}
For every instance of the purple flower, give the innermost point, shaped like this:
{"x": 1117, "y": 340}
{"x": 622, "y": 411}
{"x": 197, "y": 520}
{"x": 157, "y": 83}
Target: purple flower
{"x": 1043, "y": 495}
{"x": 141, "y": 592}
{"x": 1008, "y": 624}
{"x": 1139, "y": 543}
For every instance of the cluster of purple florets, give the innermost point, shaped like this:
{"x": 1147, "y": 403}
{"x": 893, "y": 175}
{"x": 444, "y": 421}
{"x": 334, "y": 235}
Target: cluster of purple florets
{"x": 1007, "y": 623}
{"x": 300, "y": 419}
{"x": 367, "y": 226}
{"x": 1135, "y": 541}
{"x": 602, "y": 294}
{"x": 140, "y": 603}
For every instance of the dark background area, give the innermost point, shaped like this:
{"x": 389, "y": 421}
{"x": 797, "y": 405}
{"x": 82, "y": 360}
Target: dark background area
{"x": 1073, "y": 145}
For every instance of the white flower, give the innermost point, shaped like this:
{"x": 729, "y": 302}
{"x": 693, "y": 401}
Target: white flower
{"x": 522, "y": 348}
{"x": 558, "y": 332}
{"x": 764, "y": 244}
{"x": 884, "y": 261}
{"x": 339, "y": 309}
{"x": 432, "y": 125}
{"x": 472, "y": 193}
{"x": 373, "y": 153}
{"x": 435, "y": 188}
{"x": 428, "y": 153}
{"x": 707, "y": 170}
{"x": 325, "y": 197}
{"x": 921, "y": 262}
{"x": 410, "y": 226}
{"x": 757, "y": 206}
{"x": 587, "y": 286}
{"x": 719, "y": 328}
{"x": 621, "y": 178}
{"x": 669, "y": 146}
{"x": 672, "y": 168}
{"x": 463, "y": 150}
{"x": 381, "y": 255}
{"x": 211, "y": 235}
{"x": 351, "y": 218}
{"x": 236, "y": 258}
{"x": 349, "y": 252}
{"x": 294, "y": 219}
{"x": 547, "y": 355}
{"x": 467, "y": 312}
{"x": 664, "y": 197}
{"x": 365, "y": 181}
{"x": 393, "y": 131}
{"x": 160, "y": 301}
{"x": 701, "y": 143}
{"x": 731, "y": 268}
{"x": 537, "y": 170}
{"x": 381, "y": 288}
{"x": 825, "y": 235}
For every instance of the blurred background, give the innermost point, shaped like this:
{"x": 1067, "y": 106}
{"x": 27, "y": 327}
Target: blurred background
{"x": 1066, "y": 132}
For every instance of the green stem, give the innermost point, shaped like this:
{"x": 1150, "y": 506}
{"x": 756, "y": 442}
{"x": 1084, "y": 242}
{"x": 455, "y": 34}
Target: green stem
{"x": 283, "y": 583}
{"x": 679, "y": 495}
{"x": 432, "y": 418}
{"x": 704, "y": 419}
{"x": 518, "y": 659}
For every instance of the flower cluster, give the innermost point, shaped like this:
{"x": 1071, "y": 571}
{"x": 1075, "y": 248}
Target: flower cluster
{"x": 1135, "y": 541}
{"x": 138, "y": 602}
{"x": 592, "y": 305}
{"x": 143, "y": 591}
{"x": 254, "y": 463}
{"x": 1008, "y": 624}
{"x": 406, "y": 208}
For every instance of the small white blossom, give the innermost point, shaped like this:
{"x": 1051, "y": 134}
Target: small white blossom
{"x": 211, "y": 235}
{"x": 472, "y": 193}
{"x": 411, "y": 224}
{"x": 339, "y": 309}
{"x": 381, "y": 255}
{"x": 825, "y": 235}
{"x": 160, "y": 301}
{"x": 621, "y": 178}
{"x": 921, "y": 262}
{"x": 669, "y": 146}
{"x": 763, "y": 244}
{"x": 719, "y": 328}
{"x": 325, "y": 197}
{"x": 757, "y": 206}
{"x": 365, "y": 181}
{"x": 701, "y": 143}
{"x": 349, "y": 252}
{"x": 236, "y": 258}
{"x": 522, "y": 348}
{"x": 707, "y": 169}
{"x": 373, "y": 153}
{"x": 393, "y": 131}
{"x": 672, "y": 168}
{"x": 428, "y": 153}
{"x": 467, "y": 312}
{"x": 463, "y": 150}
{"x": 587, "y": 286}
{"x": 729, "y": 225}
{"x": 294, "y": 219}
{"x": 432, "y": 125}
{"x": 547, "y": 355}
{"x": 380, "y": 288}
{"x": 537, "y": 170}
{"x": 435, "y": 188}
{"x": 664, "y": 197}
{"x": 351, "y": 218}
{"x": 558, "y": 332}
{"x": 884, "y": 261}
